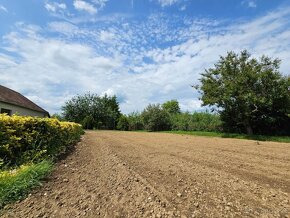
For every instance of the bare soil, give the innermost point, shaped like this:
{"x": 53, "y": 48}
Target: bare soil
{"x": 131, "y": 174}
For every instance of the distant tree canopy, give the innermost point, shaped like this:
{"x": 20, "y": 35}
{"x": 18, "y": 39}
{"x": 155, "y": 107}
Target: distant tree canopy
{"x": 155, "y": 118}
{"x": 197, "y": 121}
{"x": 135, "y": 121}
{"x": 57, "y": 116}
{"x": 250, "y": 94}
{"x": 93, "y": 111}
{"x": 123, "y": 123}
{"x": 171, "y": 107}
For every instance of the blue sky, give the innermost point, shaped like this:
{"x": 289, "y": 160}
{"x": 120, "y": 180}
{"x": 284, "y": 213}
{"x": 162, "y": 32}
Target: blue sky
{"x": 142, "y": 51}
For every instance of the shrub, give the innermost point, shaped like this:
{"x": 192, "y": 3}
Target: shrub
{"x": 172, "y": 107}
{"x": 135, "y": 121}
{"x": 204, "y": 121}
{"x": 93, "y": 111}
{"x": 31, "y": 139}
{"x": 155, "y": 118}
{"x": 123, "y": 123}
{"x": 198, "y": 121}
{"x": 181, "y": 121}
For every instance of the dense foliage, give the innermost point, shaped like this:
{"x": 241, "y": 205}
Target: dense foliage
{"x": 155, "y": 118}
{"x": 198, "y": 121}
{"x": 135, "y": 121}
{"x": 123, "y": 123}
{"x": 171, "y": 107}
{"x": 93, "y": 111}
{"x": 31, "y": 139}
{"x": 250, "y": 94}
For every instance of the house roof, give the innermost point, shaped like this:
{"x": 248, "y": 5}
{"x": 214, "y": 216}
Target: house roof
{"x": 12, "y": 97}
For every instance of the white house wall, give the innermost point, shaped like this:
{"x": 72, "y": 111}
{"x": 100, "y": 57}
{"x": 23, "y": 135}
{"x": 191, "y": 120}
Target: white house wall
{"x": 20, "y": 110}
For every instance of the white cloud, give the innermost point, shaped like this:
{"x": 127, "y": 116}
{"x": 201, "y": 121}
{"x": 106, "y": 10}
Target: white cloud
{"x": 81, "y": 59}
{"x": 6, "y": 61}
{"x": 60, "y": 69}
{"x": 100, "y": 3}
{"x": 190, "y": 105}
{"x": 182, "y": 8}
{"x": 85, "y": 6}
{"x": 165, "y": 3}
{"x": 106, "y": 36}
{"x": 64, "y": 28}
{"x": 108, "y": 92}
{"x": 54, "y": 6}
{"x": 2, "y": 8}
{"x": 250, "y": 3}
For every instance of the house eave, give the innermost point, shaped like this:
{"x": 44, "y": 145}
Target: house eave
{"x": 44, "y": 112}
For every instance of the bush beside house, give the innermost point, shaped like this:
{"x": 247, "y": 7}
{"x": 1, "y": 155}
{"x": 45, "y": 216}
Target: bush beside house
{"x": 31, "y": 139}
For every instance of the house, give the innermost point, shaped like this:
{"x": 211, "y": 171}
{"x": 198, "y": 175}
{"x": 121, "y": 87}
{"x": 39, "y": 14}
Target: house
{"x": 12, "y": 102}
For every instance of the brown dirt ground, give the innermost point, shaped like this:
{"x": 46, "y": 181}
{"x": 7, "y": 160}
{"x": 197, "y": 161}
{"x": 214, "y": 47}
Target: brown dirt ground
{"x": 131, "y": 174}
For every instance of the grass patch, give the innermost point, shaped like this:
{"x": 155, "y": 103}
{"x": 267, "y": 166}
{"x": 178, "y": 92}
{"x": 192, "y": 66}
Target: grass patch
{"x": 16, "y": 184}
{"x": 234, "y": 135}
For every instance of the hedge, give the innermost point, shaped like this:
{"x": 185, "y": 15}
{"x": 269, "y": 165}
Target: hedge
{"x": 31, "y": 139}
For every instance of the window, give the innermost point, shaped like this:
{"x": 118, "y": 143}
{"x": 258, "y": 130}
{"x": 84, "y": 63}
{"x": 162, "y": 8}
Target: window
{"x": 5, "y": 111}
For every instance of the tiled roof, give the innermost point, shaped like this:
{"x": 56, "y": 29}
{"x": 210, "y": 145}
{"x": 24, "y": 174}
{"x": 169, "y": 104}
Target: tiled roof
{"x": 9, "y": 96}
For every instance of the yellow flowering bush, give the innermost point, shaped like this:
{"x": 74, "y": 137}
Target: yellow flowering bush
{"x": 30, "y": 139}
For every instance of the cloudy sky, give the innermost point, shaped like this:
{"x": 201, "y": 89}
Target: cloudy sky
{"x": 142, "y": 51}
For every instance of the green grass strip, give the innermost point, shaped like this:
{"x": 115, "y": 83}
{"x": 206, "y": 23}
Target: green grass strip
{"x": 234, "y": 135}
{"x": 16, "y": 184}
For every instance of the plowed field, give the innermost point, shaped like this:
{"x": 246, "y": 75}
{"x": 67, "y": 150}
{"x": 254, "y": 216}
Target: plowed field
{"x": 132, "y": 174}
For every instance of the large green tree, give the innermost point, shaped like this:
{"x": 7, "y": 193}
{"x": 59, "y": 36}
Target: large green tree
{"x": 135, "y": 121}
{"x": 155, "y": 118}
{"x": 123, "y": 123}
{"x": 251, "y": 94}
{"x": 171, "y": 107}
{"x": 92, "y": 111}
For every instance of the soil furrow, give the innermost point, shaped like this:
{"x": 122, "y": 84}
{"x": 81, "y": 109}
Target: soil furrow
{"x": 129, "y": 174}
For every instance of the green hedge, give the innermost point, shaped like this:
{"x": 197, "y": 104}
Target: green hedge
{"x": 31, "y": 139}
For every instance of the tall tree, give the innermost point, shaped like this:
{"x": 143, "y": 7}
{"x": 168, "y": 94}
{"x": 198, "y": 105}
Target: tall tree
{"x": 92, "y": 111}
{"x": 155, "y": 118}
{"x": 250, "y": 94}
{"x": 171, "y": 107}
{"x": 135, "y": 121}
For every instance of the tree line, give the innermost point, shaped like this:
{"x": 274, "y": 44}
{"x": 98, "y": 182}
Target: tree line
{"x": 167, "y": 116}
{"x": 247, "y": 95}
